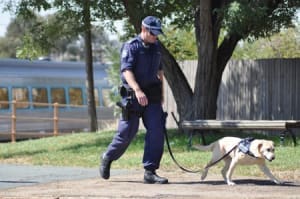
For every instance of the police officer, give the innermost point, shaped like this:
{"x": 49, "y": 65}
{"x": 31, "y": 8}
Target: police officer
{"x": 141, "y": 73}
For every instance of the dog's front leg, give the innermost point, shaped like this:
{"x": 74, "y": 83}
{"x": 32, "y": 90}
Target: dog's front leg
{"x": 268, "y": 173}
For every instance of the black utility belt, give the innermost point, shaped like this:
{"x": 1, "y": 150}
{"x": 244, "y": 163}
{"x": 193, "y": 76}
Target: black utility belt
{"x": 153, "y": 93}
{"x": 126, "y": 91}
{"x": 151, "y": 90}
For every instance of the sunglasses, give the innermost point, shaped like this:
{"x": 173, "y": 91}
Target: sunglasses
{"x": 152, "y": 34}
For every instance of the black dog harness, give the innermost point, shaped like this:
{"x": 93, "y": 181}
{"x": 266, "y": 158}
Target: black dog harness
{"x": 244, "y": 146}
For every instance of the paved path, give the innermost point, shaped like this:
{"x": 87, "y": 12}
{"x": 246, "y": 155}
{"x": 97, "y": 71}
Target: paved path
{"x": 22, "y": 175}
{"x": 48, "y": 182}
{"x": 129, "y": 184}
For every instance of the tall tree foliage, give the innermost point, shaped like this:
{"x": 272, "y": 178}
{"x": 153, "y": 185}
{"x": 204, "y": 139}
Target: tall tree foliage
{"x": 16, "y": 29}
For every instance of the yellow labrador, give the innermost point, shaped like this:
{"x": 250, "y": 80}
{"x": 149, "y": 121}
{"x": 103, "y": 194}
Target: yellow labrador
{"x": 258, "y": 151}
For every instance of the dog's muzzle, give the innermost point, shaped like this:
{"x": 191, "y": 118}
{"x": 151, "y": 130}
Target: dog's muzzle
{"x": 270, "y": 159}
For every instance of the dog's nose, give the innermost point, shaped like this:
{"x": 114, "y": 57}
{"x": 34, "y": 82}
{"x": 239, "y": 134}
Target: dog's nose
{"x": 272, "y": 158}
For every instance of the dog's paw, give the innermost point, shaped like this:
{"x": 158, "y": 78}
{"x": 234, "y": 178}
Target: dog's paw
{"x": 278, "y": 182}
{"x": 230, "y": 183}
{"x": 203, "y": 176}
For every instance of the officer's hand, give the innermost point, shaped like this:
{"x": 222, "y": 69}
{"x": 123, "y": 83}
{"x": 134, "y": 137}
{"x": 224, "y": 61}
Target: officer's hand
{"x": 141, "y": 97}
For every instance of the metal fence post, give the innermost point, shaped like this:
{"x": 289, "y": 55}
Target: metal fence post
{"x": 13, "y": 121}
{"x": 55, "y": 119}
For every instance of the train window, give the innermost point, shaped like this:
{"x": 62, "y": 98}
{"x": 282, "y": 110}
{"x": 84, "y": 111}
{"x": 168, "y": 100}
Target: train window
{"x": 58, "y": 95}
{"x": 21, "y": 95}
{"x": 75, "y": 95}
{"x": 39, "y": 97}
{"x": 96, "y": 97}
{"x": 105, "y": 97}
{"x": 4, "y": 98}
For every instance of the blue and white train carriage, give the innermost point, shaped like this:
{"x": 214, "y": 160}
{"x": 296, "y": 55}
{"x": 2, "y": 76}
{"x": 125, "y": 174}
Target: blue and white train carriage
{"x": 38, "y": 84}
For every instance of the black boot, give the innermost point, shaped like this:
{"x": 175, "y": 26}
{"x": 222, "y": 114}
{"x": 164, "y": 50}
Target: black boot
{"x": 150, "y": 177}
{"x": 105, "y": 168}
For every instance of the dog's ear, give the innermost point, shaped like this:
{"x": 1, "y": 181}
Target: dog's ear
{"x": 256, "y": 147}
{"x": 259, "y": 146}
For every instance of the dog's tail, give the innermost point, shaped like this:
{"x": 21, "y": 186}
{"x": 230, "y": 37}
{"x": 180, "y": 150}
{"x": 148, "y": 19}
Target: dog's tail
{"x": 204, "y": 147}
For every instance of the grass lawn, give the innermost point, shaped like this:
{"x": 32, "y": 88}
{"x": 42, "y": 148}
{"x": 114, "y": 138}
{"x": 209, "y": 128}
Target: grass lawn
{"x": 84, "y": 149}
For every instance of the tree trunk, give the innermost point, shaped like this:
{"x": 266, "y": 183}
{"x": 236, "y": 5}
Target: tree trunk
{"x": 89, "y": 69}
{"x": 178, "y": 83}
{"x": 212, "y": 59}
{"x": 206, "y": 87}
{"x": 202, "y": 104}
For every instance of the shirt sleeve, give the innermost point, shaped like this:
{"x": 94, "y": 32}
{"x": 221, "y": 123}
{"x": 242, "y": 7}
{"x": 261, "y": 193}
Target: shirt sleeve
{"x": 160, "y": 67}
{"x": 127, "y": 57}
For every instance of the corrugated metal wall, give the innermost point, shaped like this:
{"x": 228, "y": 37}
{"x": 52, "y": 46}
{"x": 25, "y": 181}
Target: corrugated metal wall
{"x": 252, "y": 89}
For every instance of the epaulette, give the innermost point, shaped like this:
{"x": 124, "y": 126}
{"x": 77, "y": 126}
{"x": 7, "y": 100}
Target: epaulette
{"x": 132, "y": 40}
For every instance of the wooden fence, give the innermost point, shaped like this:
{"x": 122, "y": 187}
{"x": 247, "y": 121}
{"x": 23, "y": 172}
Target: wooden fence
{"x": 44, "y": 122}
{"x": 13, "y": 118}
{"x": 252, "y": 89}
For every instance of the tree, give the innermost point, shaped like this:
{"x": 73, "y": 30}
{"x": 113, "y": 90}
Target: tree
{"x": 239, "y": 19}
{"x": 89, "y": 65}
{"x": 16, "y": 29}
{"x": 63, "y": 47}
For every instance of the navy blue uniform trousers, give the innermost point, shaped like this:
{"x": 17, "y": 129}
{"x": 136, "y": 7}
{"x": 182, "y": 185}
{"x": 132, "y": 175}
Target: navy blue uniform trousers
{"x": 154, "y": 122}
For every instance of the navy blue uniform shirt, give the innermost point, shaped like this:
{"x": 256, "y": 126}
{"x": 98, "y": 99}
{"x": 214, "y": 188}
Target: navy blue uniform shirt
{"x": 143, "y": 60}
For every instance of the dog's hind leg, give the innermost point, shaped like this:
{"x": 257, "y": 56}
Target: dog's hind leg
{"x": 205, "y": 170}
{"x": 204, "y": 173}
{"x": 224, "y": 170}
{"x": 229, "y": 173}
{"x": 213, "y": 160}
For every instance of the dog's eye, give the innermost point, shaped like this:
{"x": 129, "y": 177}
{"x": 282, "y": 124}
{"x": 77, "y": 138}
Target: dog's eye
{"x": 270, "y": 150}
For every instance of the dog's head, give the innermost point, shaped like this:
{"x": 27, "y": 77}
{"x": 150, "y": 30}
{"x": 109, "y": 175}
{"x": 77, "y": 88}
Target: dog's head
{"x": 263, "y": 149}
{"x": 266, "y": 149}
